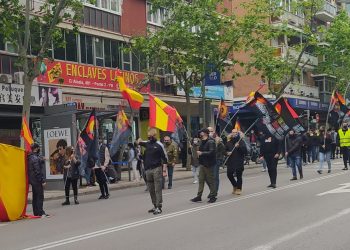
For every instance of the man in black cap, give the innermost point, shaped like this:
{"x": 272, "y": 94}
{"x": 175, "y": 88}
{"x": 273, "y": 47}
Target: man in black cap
{"x": 207, "y": 160}
{"x": 37, "y": 180}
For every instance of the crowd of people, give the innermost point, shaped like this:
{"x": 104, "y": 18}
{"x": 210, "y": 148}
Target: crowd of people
{"x": 153, "y": 161}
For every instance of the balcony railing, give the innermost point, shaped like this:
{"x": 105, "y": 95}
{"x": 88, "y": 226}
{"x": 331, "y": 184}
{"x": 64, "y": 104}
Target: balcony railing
{"x": 302, "y": 90}
{"x": 290, "y": 18}
{"x": 328, "y": 12}
{"x": 305, "y": 58}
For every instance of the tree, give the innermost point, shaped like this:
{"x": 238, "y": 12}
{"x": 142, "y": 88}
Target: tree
{"x": 278, "y": 70}
{"x": 336, "y": 51}
{"x": 34, "y": 29}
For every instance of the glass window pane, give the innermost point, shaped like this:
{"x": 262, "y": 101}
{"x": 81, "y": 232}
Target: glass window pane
{"x": 149, "y": 15}
{"x": 135, "y": 62}
{"x": 115, "y": 5}
{"x": 89, "y": 50}
{"x": 115, "y": 51}
{"x": 107, "y": 52}
{"x": 155, "y": 16}
{"x": 82, "y": 48}
{"x": 99, "y": 51}
{"x": 104, "y": 4}
{"x": 71, "y": 46}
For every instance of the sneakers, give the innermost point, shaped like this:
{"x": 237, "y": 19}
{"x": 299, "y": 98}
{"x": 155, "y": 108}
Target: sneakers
{"x": 212, "y": 200}
{"x": 157, "y": 211}
{"x": 196, "y": 199}
{"x": 319, "y": 171}
{"x": 264, "y": 170}
{"x": 67, "y": 202}
{"x": 45, "y": 216}
{"x": 107, "y": 196}
{"x": 294, "y": 178}
{"x": 234, "y": 190}
{"x": 272, "y": 186}
{"x": 238, "y": 191}
{"x": 195, "y": 182}
{"x": 345, "y": 169}
{"x": 102, "y": 197}
{"x": 76, "y": 202}
{"x": 329, "y": 171}
{"x": 152, "y": 210}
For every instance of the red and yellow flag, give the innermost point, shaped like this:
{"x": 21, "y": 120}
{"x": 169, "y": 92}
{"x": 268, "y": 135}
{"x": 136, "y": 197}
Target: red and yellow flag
{"x": 238, "y": 125}
{"x": 223, "y": 110}
{"x": 134, "y": 98}
{"x": 13, "y": 183}
{"x": 162, "y": 115}
{"x": 26, "y": 135}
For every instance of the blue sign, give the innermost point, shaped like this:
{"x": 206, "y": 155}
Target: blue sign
{"x": 212, "y": 78}
{"x": 211, "y": 92}
{"x": 306, "y": 104}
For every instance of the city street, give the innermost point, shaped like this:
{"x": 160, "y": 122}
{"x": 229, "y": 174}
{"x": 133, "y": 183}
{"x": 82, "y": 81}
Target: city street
{"x": 312, "y": 213}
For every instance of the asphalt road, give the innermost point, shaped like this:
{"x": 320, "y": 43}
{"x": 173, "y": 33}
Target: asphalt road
{"x": 313, "y": 213}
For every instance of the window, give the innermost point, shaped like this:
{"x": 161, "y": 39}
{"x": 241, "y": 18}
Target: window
{"x": 157, "y": 17}
{"x": 99, "y": 51}
{"x": 107, "y": 5}
{"x": 116, "y": 57}
{"x": 71, "y": 46}
{"x": 86, "y": 49}
{"x": 126, "y": 58}
{"x": 2, "y": 43}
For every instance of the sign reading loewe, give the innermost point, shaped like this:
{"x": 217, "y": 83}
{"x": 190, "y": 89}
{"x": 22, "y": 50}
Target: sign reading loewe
{"x": 87, "y": 76}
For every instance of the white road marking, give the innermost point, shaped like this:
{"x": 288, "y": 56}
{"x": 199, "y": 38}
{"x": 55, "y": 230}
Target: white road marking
{"x": 303, "y": 230}
{"x": 171, "y": 215}
{"x": 344, "y": 189}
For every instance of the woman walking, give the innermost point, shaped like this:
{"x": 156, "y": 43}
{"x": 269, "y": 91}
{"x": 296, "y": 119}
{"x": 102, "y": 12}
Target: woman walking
{"x": 325, "y": 145}
{"x": 270, "y": 151}
{"x": 70, "y": 175}
{"x": 132, "y": 160}
{"x": 235, "y": 150}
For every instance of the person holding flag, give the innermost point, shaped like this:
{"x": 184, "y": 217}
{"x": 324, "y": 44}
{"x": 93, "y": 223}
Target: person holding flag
{"x": 71, "y": 175}
{"x": 293, "y": 152}
{"x": 155, "y": 164}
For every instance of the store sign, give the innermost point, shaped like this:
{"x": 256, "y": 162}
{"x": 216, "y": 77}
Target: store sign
{"x": 94, "y": 102}
{"x": 12, "y": 94}
{"x": 307, "y": 104}
{"x": 87, "y": 76}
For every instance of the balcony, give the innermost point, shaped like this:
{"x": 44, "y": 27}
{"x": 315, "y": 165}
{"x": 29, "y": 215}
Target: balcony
{"x": 293, "y": 21}
{"x": 302, "y": 90}
{"x": 306, "y": 58}
{"x": 328, "y": 13}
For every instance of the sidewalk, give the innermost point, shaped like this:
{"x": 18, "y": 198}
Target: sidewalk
{"x": 179, "y": 174}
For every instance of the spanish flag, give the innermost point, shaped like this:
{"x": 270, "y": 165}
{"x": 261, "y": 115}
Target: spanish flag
{"x": 162, "y": 115}
{"x": 13, "y": 183}
{"x": 223, "y": 110}
{"x": 134, "y": 98}
{"x": 238, "y": 125}
{"x": 26, "y": 134}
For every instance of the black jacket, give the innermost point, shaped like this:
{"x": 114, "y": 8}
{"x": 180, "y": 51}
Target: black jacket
{"x": 294, "y": 145}
{"x": 73, "y": 171}
{"x": 35, "y": 169}
{"x": 208, "y": 153}
{"x": 269, "y": 148}
{"x": 154, "y": 155}
{"x": 236, "y": 159}
{"x": 328, "y": 142}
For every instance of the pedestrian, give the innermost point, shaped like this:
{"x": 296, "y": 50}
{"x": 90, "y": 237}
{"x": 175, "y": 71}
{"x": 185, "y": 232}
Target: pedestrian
{"x": 71, "y": 175}
{"x": 132, "y": 162}
{"x": 155, "y": 164}
{"x": 293, "y": 152}
{"x": 344, "y": 142}
{"x": 260, "y": 140}
{"x": 171, "y": 150}
{"x": 325, "y": 142}
{"x": 220, "y": 154}
{"x": 194, "y": 148}
{"x": 314, "y": 143}
{"x": 104, "y": 161}
{"x": 235, "y": 150}
{"x": 36, "y": 165}
{"x": 207, "y": 161}
{"x": 308, "y": 147}
{"x": 270, "y": 151}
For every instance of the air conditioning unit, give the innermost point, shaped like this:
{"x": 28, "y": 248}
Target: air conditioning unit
{"x": 170, "y": 79}
{"x": 5, "y": 78}
{"x": 18, "y": 77}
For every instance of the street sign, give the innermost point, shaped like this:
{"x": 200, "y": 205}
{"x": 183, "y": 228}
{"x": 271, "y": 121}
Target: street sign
{"x": 345, "y": 188}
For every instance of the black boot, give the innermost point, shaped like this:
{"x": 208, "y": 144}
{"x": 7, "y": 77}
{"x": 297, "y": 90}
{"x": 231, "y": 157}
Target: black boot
{"x": 76, "y": 200}
{"x": 67, "y": 202}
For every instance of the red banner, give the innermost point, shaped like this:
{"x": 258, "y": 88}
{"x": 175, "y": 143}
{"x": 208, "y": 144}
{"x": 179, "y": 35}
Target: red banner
{"x": 87, "y": 76}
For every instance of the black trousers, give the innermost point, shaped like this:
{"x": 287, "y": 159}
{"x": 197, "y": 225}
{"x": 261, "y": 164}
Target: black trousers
{"x": 345, "y": 152}
{"x": 102, "y": 181}
{"x": 333, "y": 148}
{"x": 271, "y": 163}
{"x": 74, "y": 183}
{"x": 235, "y": 176}
{"x": 38, "y": 199}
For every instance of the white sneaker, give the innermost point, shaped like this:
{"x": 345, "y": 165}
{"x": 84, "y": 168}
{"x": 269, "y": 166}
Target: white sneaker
{"x": 264, "y": 170}
{"x": 195, "y": 182}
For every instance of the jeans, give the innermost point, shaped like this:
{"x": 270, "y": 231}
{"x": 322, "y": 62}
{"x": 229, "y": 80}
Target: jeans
{"x": 264, "y": 164}
{"x": 325, "y": 157}
{"x": 295, "y": 162}
{"x": 236, "y": 180}
{"x": 170, "y": 175}
{"x": 216, "y": 171}
{"x": 88, "y": 175}
{"x": 74, "y": 183}
{"x": 195, "y": 173}
{"x": 309, "y": 155}
{"x": 314, "y": 153}
{"x": 345, "y": 152}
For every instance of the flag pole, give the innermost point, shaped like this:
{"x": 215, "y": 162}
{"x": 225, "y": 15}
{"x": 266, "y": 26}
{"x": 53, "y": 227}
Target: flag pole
{"x": 241, "y": 138}
{"x": 329, "y": 110}
{"x": 229, "y": 121}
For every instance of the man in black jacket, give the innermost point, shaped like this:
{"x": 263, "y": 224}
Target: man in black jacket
{"x": 37, "y": 180}
{"x": 207, "y": 160}
{"x": 293, "y": 152}
{"x": 155, "y": 163}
